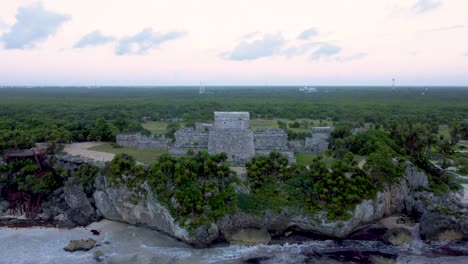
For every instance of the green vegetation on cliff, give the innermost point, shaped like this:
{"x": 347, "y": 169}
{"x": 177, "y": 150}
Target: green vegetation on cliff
{"x": 196, "y": 188}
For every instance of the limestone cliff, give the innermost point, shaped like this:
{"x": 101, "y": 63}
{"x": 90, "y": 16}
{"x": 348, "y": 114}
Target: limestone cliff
{"x": 114, "y": 203}
{"x": 387, "y": 202}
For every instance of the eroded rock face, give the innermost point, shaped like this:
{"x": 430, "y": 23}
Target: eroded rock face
{"x": 115, "y": 203}
{"x": 80, "y": 209}
{"x": 398, "y": 236}
{"x": 438, "y": 227}
{"x": 387, "y": 202}
{"x": 250, "y": 236}
{"x": 416, "y": 178}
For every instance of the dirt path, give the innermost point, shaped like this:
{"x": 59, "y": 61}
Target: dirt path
{"x": 362, "y": 163}
{"x": 82, "y": 150}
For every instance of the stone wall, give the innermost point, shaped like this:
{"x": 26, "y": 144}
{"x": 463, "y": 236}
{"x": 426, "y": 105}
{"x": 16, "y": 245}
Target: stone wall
{"x": 232, "y": 135}
{"x": 182, "y": 151}
{"x": 271, "y": 139}
{"x": 296, "y": 145}
{"x": 142, "y": 142}
{"x": 318, "y": 143}
{"x": 237, "y": 144}
{"x": 189, "y": 138}
{"x": 232, "y": 120}
{"x": 199, "y": 126}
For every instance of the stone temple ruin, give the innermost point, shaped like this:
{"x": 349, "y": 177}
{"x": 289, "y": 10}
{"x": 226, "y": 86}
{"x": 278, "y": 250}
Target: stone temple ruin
{"x": 318, "y": 143}
{"x": 231, "y": 134}
{"x": 142, "y": 142}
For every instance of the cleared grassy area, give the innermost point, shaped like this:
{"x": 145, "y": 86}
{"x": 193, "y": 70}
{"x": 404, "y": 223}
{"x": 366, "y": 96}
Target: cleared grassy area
{"x": 156, "y": 127}
{"x": 444, "y": 130}
{"x": 263, "y": 123}
{"x": 273, "y": 123}
{"x": 306, "y": 159}
{"x": 143, "y": 156}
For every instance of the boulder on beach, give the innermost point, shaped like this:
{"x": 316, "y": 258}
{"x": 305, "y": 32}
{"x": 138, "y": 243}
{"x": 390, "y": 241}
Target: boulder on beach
{"x": 82, "y": 244}
{"x": 436, "y": 226}
{"x": 98, "y": 255}
{"x": 398, "y": 236}
{"x": 251, "y": 236}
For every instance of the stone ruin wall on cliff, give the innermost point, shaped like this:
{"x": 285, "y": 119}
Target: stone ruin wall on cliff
{"x": 143, "y": 142}
{"x": 231, "y": 134}
{"x": 186, "y": 139}
{"x": 319, "y": 141}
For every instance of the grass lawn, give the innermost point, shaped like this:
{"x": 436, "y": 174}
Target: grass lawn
{"x": 306, "y": 159}
{"x": 263, "y": 123}
{"x": 155, "y": 127}
{"x": 444, "y": 130}
{"x": 273, "y": 123}
{"x": 143, "y": 156}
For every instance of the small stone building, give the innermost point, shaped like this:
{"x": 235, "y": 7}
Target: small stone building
{"x": 319, "y": 141}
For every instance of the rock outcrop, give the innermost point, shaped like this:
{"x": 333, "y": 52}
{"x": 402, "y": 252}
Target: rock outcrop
{"x": 114, "y": 202}
{"x": 415, "y": 177}
{"x": 80, "y": 245}
{"x": 398, "y": 236}
{"x": 80, "y": 209}
{"x": 251, "y": 236}
{"x": 442, "y": 226}
{"x": 117, "y": 202}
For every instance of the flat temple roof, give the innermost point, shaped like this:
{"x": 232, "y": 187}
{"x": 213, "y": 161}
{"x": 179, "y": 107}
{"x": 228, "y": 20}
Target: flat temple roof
{"x": 231, "y": 114}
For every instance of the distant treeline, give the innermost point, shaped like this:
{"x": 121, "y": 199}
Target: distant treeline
{"x": 72, "y": 114}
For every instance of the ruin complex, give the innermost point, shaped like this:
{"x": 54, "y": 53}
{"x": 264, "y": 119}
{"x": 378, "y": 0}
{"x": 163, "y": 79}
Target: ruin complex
{"x": 231, "y": 133}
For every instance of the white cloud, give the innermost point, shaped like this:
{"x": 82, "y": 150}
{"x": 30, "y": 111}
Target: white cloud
{"x": 143, "y": 41}
{"x": 422, "y": 6}
{"x": 308, "y": 34}
{"x": 3, "y": 25}
{"x": 33, "y": 25}
{"x": 94, "y": 38}
{"x": 326, "y": 50}
{"x": 267, "y": 45}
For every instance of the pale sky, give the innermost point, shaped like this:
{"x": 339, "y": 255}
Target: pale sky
{"x": 236, "y": 42}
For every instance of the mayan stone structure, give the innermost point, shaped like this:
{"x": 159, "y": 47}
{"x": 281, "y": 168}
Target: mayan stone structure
{"x": 232, "y": 135}
{"x": 318, "y": 143}
{"x": 142, "y": 142}
{"x": 188, "y": 138}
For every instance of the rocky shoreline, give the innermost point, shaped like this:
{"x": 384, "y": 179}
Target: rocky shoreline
{"x": 439, "y": 217}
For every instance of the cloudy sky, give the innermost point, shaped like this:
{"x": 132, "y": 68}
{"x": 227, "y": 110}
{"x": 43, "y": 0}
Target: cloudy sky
{"x": 235, "y": 42}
